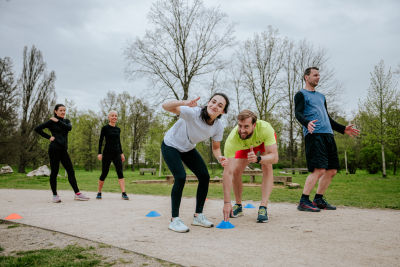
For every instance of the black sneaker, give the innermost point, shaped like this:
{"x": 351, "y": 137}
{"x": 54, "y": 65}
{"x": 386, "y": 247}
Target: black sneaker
{"x": 237, "y": 211}
{"x": 307, "y": 205}
{"x": 322, "y": 204}
{"x": 125, "y": 197}
{"x": 98, "y": 195}
{"x": 262, "y": 215}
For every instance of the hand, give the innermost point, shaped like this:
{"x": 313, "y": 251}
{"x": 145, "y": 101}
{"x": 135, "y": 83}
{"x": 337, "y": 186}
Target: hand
{"x": 311, "y": 126}
{"x": 54, "y": 119}
{"x": 122, "y": 157}
{"x": 350, "y": 131}
{"x": 223, "y": 161}
{"x": 192, "y": 103}
{"x": 251, "y": 156}
{"x": 52, "y": 138}
{"x": 100, "y": 156}
{"x": 227, "y": 210}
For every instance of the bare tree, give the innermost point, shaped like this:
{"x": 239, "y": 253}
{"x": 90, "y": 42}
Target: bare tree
{"x": 37, "y": 102}
{"x": 262, "y": 59}
{"x": 9, "y": 103}
{"x": 375, "y": 111}
{"x": 185, "y": 43}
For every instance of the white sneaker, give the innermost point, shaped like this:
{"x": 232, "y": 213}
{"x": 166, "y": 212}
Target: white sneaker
{"x": 201, "y": 220}
{"x": 178, "y": 226}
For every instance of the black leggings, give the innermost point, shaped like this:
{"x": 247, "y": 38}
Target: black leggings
{"x": 106, "y": 161}
{"x": 195, "y": 163}
{"x": 57, "y": 155}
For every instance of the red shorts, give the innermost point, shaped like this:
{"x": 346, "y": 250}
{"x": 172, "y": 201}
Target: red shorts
{"x": 242, "y": 154}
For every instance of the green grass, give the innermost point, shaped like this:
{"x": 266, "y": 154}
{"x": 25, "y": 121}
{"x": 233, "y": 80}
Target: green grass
{"x": 357, "y": 190}
{"x": 13, "y": 226}
{"x": 70, "y": 256}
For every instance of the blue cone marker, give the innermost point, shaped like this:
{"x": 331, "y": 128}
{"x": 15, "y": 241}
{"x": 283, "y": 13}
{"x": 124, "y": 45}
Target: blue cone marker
{"x": 153, "y": 214}
{"x": 225, "y": 225}
{"x": 249, "y": 206}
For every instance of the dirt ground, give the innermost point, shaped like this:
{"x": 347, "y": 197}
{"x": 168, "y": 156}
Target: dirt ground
{"x": 24, "y": 238}
{"x": 345, "y": 237}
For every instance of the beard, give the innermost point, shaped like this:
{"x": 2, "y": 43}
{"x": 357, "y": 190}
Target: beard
{"x": 247, "y": 136}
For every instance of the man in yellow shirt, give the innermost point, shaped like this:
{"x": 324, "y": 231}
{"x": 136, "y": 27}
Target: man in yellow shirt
{"x": 243, "y": 143}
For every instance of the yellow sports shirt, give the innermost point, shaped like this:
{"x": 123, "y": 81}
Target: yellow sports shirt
{"x": 263, "y": 133}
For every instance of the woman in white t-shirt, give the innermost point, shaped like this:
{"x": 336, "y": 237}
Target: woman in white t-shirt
{"x": 195, "y": 125}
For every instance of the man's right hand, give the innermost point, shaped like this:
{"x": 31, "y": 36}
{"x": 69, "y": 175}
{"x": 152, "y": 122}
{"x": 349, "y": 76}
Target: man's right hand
{"x": 52, "y": 138}
{"x": 227, "y": 210}
{"x": 311, "y": 126}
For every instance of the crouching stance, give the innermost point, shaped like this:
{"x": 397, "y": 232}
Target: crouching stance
{"x": 112, "y": 152}
{"x": 195, "y": 125}
{"x": 243, "y": 143}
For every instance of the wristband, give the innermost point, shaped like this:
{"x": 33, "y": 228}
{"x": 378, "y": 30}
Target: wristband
{"x": 219, "y": 158}
{"x": 227, "y": 202}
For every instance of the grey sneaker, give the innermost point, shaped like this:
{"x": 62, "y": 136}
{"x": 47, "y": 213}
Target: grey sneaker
{"x": 237, "y": 211}
{"x": 201, "y": 220}
{"x": 56, "y": 199}
{"x": 262, "y": 215}
{"x": 81, "y": 197}
{"x": 178, "y": 226}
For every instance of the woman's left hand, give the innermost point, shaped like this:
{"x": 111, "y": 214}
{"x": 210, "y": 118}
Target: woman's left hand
{"x": 122, "y": 157}
{"x": 54, "y": 119}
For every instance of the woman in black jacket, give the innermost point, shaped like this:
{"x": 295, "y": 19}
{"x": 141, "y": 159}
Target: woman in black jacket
{"x": 59, "y": 128}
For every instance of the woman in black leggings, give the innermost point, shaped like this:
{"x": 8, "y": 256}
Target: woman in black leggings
{"x": 112, "y": 152}
{"x": 195, "y": 125}
{"x": 59, "y": 128}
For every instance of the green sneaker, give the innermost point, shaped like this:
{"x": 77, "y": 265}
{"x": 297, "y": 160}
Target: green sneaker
{"x": 237, "y": 211}
{"x": 262, "y": 215}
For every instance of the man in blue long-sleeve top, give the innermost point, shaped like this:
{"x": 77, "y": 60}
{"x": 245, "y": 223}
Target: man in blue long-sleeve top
{"x": 321, "y": 152}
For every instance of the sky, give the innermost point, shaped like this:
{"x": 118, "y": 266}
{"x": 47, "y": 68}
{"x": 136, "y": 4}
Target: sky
{"x": 83, "y": 41}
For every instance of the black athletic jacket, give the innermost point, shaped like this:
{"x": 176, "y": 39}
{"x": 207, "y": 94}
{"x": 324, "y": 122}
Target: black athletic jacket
{"x": 113, "y": 141}
{"x": 59, "y": 130}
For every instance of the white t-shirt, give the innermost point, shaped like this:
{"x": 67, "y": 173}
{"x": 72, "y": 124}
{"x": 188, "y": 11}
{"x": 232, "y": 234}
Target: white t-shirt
{"x": 191, "y": 129}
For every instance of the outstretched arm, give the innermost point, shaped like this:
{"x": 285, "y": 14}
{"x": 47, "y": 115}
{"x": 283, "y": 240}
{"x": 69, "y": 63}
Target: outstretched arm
{"x": 227, "y": 185}
{"x": 174, "y": 105}
{"x": 335, "y": 126}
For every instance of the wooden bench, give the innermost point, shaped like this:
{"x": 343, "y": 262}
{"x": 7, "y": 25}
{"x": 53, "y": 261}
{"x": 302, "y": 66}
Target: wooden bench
{"x": 293, "y": 170}
{"x": 170, "y": 179}
{"x": 143, "y": 170}
{"x": 286, "y": 180}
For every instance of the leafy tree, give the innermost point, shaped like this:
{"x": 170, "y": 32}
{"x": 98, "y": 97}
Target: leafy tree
{"x": 375, "y": 110}
{"x": 38, "y": 100}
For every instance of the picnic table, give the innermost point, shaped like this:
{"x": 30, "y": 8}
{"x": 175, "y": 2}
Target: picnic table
{"x": 293, "y": 170}
{"x": 170, "y": 178}
{"x": 143, "y": 170}
{"x": 286, "y": 180}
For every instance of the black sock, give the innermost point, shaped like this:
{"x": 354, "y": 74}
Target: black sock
{"x": 123, "y": 193}
{"x": 318, "y": 196}
{"x": 305, "y": 197}
{"x": 239, "y": 204}
{"x": 263, "y": 207}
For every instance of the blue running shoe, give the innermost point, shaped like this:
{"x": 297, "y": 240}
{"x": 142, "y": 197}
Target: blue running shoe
{"x": 98, "y": 195}
{"x": 237, "y": 211}
{"x": 322, "y": 204}
{"x": 125, "y": 197}
{"x": 262, "y": 215}
{"x": 307, "y": 205}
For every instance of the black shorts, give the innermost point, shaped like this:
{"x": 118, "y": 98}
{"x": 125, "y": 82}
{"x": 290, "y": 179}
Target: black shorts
{"x": 321, "y": 152}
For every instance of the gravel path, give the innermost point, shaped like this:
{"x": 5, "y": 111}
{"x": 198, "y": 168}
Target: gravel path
{"x": 345, "y": 237}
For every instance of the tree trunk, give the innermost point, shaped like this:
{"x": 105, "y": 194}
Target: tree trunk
{"x": 383, "y": 162}
{"x": 133, "y": 160}
{"x": 345, "y": 160}
{"x": 395, "y": 165}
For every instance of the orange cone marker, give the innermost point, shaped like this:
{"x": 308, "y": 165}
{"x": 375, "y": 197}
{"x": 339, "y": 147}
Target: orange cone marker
{"x": 206, "y": 199}
{"x": 13, "y": 216}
